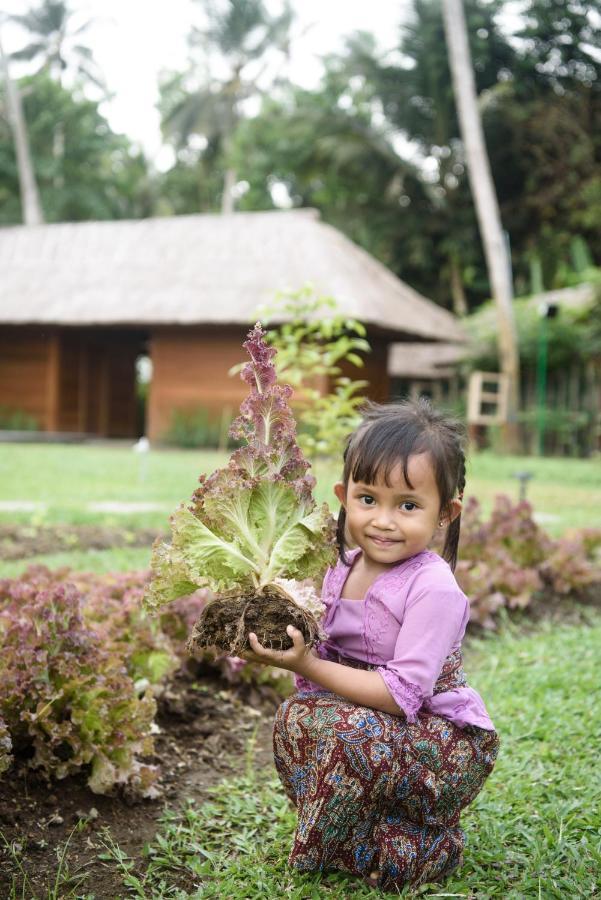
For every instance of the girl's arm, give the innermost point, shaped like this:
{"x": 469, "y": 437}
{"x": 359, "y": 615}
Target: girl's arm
{"x": 357, "y": 685}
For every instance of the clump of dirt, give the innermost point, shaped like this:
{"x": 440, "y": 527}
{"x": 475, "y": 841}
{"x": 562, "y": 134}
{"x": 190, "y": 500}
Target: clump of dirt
{"x": 226, "y": 622}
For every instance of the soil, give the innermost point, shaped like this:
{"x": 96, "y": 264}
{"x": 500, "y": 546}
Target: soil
{"x": 22, "y": 541}
{"x": 207, "y": 730}
{"x": 226, "y": 622}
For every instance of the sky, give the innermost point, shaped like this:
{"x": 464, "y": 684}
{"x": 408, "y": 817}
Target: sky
{"x": 133, "y": 40}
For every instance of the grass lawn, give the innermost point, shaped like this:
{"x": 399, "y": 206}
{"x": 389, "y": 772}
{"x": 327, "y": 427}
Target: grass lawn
{"x": 534, "y": 831}
{"x": 71, "y": 483}
{"x": 82, "y": 483}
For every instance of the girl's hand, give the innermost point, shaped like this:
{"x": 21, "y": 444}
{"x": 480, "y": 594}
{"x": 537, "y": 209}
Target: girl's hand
{"x": 296, "y": 659}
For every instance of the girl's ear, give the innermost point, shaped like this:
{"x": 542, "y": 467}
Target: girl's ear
{"x": 453, "y": 510}
{"x": 340, "y": 492}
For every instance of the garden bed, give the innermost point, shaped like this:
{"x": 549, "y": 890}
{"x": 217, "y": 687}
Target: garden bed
{"x": 208, "y": 730}
{"x": 25, "y": 541}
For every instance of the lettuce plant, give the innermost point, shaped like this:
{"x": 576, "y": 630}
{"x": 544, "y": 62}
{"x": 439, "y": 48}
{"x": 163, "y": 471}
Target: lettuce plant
{"x": 66, "y": 698}
{"x": 252, "y": 527}
{"x": 5, "y": 748}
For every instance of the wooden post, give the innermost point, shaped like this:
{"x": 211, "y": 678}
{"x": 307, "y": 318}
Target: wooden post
{"x": 52, "y": 383}
{"x": 82, "y": 388}
{"x": 103, "y": 394}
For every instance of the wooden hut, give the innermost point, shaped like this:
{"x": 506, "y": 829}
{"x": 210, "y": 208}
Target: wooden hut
{"x": 426, "y": 370}
{"x": 81, "y": 302}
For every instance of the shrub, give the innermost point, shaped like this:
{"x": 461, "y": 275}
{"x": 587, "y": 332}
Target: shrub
{"x": 195, "y": 427}
{"x": 80, "y": 663}
{"x": 66, "y": 697}
{"x": 509, "y": 560}
{"x": 17, "y": 420}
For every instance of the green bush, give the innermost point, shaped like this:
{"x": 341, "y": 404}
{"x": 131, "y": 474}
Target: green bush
{"x": 197, "y": 428}
{"x": 17, "y": 420}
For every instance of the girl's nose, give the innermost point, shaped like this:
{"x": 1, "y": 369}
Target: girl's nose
{"x": 383, "y": 518}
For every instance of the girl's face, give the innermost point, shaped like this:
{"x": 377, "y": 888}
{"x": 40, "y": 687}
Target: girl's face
{"x": 393, "y": 522}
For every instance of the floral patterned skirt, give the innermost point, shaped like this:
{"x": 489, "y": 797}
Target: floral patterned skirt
{"x": 374, "y": 792}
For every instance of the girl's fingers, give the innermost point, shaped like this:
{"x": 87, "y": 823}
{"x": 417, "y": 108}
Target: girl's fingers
{"x": 253, "y": 640}
{"x": 297, "y": 637}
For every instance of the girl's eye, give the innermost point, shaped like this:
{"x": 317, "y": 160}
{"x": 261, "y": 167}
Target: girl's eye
{"x": 408, "y": 506}
{"x": 366, "y": 499}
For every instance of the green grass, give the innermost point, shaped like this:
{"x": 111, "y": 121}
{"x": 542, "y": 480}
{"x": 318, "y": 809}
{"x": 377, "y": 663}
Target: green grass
{"x": 534, "y": 831}
{"x": 66, "y": 479}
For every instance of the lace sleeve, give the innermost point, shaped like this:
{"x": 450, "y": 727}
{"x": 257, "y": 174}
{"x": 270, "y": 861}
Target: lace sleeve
{"x": 406, "y": 695}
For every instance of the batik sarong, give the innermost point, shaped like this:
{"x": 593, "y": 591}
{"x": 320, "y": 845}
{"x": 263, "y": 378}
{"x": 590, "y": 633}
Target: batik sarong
{"x": 374, "y": 792}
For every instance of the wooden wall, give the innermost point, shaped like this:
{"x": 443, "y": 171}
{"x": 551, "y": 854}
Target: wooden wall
{"x": 72, "y": 379}
{"x": 28, "y": 372}
{"x": 190, "y": 370}
{"x": 97, "y": 387}
{"x": 83, "y": 379}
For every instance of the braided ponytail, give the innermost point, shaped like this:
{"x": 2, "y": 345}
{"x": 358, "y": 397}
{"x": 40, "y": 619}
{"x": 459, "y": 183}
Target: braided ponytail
{"x": 451, "y": 544}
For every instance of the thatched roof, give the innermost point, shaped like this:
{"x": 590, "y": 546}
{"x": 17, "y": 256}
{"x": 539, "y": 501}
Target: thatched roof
{"x": 204, "y": 269}
{"x": 578, "y": 297}
{"x": 412, "y": 360}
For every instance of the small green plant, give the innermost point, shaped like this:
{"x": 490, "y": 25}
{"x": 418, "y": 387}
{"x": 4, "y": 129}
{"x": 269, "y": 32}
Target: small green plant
{"x": 197, "y": 428}
{"x": 314, "y": 342}
{"x": 17, "y": 420}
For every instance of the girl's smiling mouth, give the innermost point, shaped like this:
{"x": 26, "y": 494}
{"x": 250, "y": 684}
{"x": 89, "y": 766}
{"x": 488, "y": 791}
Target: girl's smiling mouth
{"x": 384, "y": 542}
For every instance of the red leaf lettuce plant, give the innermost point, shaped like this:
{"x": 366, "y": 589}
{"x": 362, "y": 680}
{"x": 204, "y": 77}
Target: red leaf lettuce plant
{"x": 252, "y": 531}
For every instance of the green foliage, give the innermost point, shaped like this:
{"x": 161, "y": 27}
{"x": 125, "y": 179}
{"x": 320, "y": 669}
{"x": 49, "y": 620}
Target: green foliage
{"x": 573, "y": 335}
{"x": 80, "y": 663}
{"x": 67, "y": 699}
{"x": 509, "y": 561}
{"x": 54, "y": 44}
{"x": 83, "y": 169}
{"x": 329, "y": 150}
{"x": 313, "y": 343}
{"x": 17, "y": 420}
{"x": 196, "y": 428}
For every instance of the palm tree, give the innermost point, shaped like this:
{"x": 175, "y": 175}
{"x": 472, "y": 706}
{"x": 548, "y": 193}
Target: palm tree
{"x": 56, "y": 48}
{"x": 241, "y": 34}
{"x": 30, "y": 201}
{"x": 485, "y": 199}
{"x": 54, "y": 45}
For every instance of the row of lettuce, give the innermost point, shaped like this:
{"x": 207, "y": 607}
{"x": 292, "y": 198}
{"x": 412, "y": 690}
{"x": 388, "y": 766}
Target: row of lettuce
{"x": 82, "y": 665}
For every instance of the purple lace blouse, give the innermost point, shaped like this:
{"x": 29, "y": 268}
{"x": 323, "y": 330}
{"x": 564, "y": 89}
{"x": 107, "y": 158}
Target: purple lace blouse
{"x": 412, "y": 618}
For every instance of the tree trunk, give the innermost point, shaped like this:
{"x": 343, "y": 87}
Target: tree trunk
{"x": 485, "y": 200}
{"x": 457, "y": 289}
{"x": 227, "y": 199}
{"x": 30, "y": 201}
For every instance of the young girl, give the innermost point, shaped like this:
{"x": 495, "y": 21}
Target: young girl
{"x": 384, "y": 743}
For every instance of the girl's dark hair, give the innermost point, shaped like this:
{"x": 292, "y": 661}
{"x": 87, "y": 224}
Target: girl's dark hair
{"x": 388, "y": 435}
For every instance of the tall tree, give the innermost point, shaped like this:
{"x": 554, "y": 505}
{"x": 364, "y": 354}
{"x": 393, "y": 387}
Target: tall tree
{"x": 31, "y": 208}
{"x": 102, "y": 176}
{"x": 485, "y": 199}
{"x": 323, "y": 148}
{"x": 415, "y": 89}
{"x": 54, "y": 45}
{"x": 239, "y": 33}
